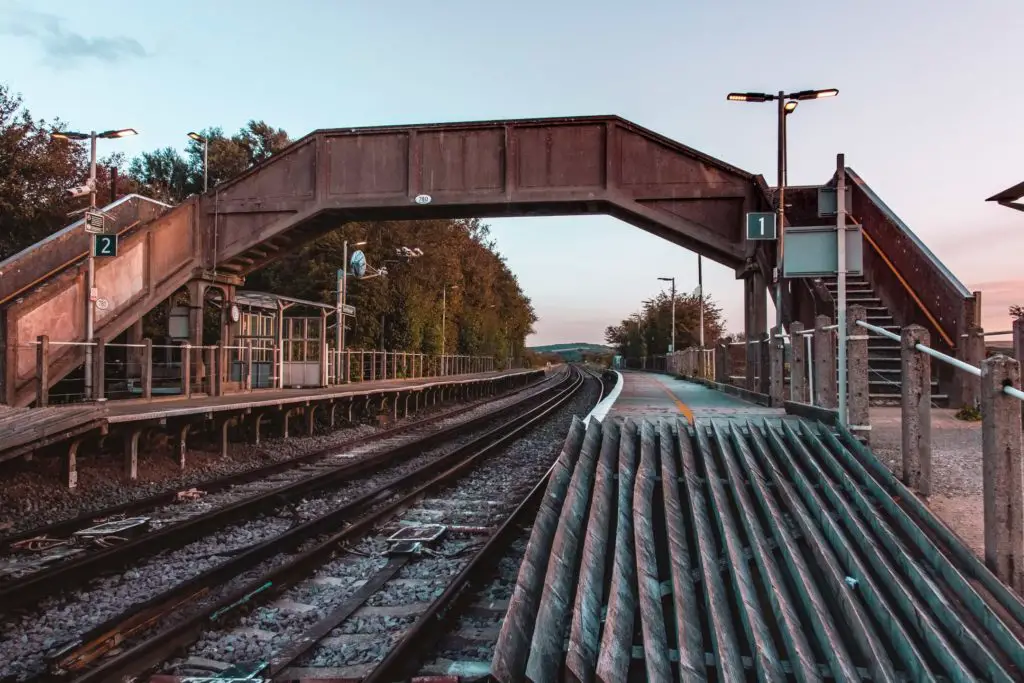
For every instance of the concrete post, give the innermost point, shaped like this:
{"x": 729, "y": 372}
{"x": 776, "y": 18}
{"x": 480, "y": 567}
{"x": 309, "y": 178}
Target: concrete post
{"x": 1002, "y": 471}
{"x": 797, "y": 363}
{"x": 764, "y": 364}
{"x": 858, "y": 382}
{"x": 99, "y": 375}
{"x": 212, "y": 371}
{"x": 971, "y": 385}
{"x": 42, "y": 371}
{"x": 777, "y": 365}
{"x": 916, "y": 371}
{"x": 147, "y": 368}
{"x": 824, "y": 349}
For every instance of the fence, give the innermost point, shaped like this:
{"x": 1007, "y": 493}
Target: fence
{"x": 145, "y": 370}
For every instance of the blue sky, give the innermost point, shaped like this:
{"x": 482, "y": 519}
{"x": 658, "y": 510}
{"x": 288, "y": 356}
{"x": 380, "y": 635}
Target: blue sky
{"x": 929, "y": 109}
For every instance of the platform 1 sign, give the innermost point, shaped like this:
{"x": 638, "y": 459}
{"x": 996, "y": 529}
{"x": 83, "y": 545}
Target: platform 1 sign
{"x": 761, "y": 226}
{"x": 106, "y": 245}
{"x": 812, "y": 251}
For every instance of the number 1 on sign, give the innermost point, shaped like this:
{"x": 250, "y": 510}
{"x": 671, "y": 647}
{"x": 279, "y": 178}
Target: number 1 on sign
{"x": 761, "y": 221}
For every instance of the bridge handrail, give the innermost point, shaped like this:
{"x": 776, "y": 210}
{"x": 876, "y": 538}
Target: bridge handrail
{"x": 903, "y": 227}
{"x": 74, "y": 226}
{"x": 938, "y": 355}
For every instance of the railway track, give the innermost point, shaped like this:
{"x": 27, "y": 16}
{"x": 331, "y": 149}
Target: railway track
{"x": 88, "y": 545}
{"x": 292, "y": 515}
{"x": 473, "y": 502}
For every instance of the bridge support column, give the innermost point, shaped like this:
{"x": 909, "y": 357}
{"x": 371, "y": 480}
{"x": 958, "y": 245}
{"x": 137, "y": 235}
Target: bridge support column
{"x": 99, "y": 369}
{"x": 916, "y": 374}
{"x": 134, "y": 336}
{"x": 797, "y": 363}
{"x": 777, "y": 351}
{"x": 1002, "y": 471}
{"x": 824, "y": 348}
{"x": 858, "y": 382}
{"x": 197, "y": 302}
{"x": 755, "y": 318}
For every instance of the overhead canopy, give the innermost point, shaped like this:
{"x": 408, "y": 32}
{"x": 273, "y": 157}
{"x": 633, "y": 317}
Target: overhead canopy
{"x": 1009, "y": 197}
{"x": 270, "y": 301}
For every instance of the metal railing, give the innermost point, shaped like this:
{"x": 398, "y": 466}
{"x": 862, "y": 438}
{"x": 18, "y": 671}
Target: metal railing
{"x": 144, "y": 370}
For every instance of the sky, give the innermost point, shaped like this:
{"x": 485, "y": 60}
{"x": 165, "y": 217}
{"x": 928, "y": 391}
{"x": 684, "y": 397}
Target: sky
{"x": 929, "y": 109}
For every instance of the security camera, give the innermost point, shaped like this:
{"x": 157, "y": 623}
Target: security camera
{"x": 79, "y": 191}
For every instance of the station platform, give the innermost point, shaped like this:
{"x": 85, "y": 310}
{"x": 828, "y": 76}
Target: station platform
{"x": 647, "y": 395}
{"x": 42, "y": 427}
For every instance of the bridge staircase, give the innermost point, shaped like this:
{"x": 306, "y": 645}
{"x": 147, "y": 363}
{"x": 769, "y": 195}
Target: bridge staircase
{"x": 884, "y": 362}
{"x": 902, "y": 283}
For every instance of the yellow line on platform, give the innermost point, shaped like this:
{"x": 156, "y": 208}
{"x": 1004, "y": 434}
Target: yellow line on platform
{"x": 683, "y": 408}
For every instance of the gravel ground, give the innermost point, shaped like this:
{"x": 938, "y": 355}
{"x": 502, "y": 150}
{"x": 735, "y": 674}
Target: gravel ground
{"x": 56, "y": 621}
{"x": 504, "y": 479}
{"x": 957, "y": 481}
{"x": 33, "y": 495}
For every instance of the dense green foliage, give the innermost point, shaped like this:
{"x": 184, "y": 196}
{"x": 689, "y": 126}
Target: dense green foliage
{"x": 649, "y": 332}
{"x": 486, "y": 312}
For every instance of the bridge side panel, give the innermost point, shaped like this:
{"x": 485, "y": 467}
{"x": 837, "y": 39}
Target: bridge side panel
{"x": 152, "y": 262}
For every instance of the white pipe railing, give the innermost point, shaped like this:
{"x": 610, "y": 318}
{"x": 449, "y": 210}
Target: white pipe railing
{"x": 938, "y": 355}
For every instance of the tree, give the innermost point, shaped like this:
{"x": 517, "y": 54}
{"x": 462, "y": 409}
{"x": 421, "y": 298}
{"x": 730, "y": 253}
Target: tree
{"x": 35, "y": 170}
{"x": 649, "y": 332}
{"x": 1017, "y": 311}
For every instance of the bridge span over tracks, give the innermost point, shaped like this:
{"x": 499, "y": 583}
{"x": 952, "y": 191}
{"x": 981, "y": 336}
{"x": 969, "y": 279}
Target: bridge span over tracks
{"x": 558, "y": 166}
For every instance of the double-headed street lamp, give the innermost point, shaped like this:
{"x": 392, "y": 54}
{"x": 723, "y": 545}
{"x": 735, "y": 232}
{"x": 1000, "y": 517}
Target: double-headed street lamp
{"x": 206, "y": 148}
{"x": 90, "y": 277}
{"x": 787, "y": 105}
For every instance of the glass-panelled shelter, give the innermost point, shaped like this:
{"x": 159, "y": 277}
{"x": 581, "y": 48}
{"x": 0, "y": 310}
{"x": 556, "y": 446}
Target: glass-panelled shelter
{"x": 286, "y": 337}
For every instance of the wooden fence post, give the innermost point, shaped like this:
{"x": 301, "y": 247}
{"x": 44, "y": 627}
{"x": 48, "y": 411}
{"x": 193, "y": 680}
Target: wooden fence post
{"x": 916, "y": 371}
{"x": 99, "y": 366}
{"x": 42, "y": 371}
{"x": 147, "y": 368}
{"x": 1002, "y": 471}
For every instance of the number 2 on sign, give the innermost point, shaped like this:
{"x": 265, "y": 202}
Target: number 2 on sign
{"x": 761, "y": 221}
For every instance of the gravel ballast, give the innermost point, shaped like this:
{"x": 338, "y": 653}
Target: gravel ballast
{"x": 33, "y": 495}
{"x": 484, "y": 496}
{"x": 28, "y": 640}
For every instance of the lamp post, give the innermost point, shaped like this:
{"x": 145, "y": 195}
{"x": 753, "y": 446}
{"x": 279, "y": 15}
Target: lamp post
{"x": 206, "y": 148}
{"x": 339, "y": 340}
{"x": 787, "y": 105}
{"x": 672, "y": 346}
{"x": 444, "y": 331}
{"x": 90, "y": 277}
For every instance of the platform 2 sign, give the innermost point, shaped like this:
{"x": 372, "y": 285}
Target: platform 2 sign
{"x": 105, "y": 245}
{"x": 761, "y": 226}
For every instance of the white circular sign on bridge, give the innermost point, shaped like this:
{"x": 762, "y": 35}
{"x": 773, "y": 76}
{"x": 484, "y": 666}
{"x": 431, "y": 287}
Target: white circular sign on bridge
{"x": 102, "y": 304}
{"x": 423, "y": 199}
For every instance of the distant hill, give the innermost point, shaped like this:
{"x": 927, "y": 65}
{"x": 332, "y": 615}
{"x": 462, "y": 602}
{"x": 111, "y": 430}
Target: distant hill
{"x": 575, "y": 346}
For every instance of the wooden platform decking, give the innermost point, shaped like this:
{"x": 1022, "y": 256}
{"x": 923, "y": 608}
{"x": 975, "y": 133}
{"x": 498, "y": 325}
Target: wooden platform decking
{"x": 25, "y": 429}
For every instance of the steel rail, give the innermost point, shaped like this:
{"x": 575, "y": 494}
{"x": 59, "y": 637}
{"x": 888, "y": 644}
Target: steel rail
{"x": 33, "y": 587}
{"x": 68, "y": 526}
{"x": 157, "y": 648}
